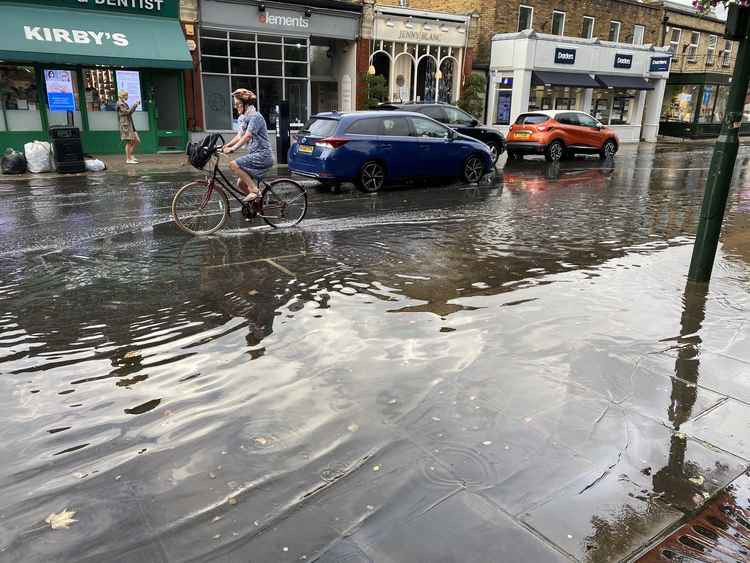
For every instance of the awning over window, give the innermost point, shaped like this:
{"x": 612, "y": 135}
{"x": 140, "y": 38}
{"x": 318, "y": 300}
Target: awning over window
{"x": 72, "y": 36}
{"x": 630, "y": 82}
{"x": 574, "y": 79}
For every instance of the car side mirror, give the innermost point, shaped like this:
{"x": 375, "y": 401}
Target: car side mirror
{"x": 473, "y": 123}
{"x": 451, "y": 134}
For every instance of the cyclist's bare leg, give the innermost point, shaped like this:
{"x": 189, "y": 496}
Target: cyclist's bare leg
{"x": 249, "y": 184}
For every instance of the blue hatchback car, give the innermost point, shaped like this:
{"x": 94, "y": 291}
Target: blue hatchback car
{"x": 372, "y": 148}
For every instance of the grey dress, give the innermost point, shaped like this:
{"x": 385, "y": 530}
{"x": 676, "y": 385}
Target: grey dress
{"x": 259, "y": 157}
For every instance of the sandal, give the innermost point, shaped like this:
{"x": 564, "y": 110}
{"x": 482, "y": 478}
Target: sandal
{"x": 251, "y": 197}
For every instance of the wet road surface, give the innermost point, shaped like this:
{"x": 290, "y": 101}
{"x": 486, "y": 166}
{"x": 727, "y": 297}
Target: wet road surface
{"x": 509, "y": 372}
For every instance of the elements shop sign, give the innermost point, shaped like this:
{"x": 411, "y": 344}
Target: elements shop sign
{"x": 565, "y": 56}
{"x": 268, "y": 18}
{"x": 623, "y": 61}
{"x": 167, "y": 8}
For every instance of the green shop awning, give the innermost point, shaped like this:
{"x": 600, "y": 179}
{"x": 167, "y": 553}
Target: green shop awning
{"x": 74, "y": 36}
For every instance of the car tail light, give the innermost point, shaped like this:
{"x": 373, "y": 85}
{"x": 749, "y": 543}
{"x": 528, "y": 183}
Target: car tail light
{"x": 331, "y": 142}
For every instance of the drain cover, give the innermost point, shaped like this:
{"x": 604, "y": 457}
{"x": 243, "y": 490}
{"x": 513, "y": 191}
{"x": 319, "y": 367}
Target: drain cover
{"x": 719, "y": 532}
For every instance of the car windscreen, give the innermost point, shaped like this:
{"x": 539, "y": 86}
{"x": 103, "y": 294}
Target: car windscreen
{"x": 320, "y": 127}
{"x": 531, "y": 118}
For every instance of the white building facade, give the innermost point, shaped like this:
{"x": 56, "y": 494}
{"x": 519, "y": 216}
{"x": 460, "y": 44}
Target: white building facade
{"x": 620, "y": 84}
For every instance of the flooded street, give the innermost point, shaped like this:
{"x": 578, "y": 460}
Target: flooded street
{"x": 510, "y": 372}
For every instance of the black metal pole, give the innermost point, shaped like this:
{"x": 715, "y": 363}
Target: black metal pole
{"x": 722, "y": 165}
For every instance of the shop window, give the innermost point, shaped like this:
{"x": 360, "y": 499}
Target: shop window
{"x": 101, "y": 99}
{"x": 674, "y": 40}
{"x": 296, "y": 93}
{"x": 242, "y": 36}
{"x": 503, "y": 98}
{"x": 294, "y": 53}
{"x": 720, "y": 108}
{"x": 269, "y": 38}
{"x": 639, "y": 32}
{"x": 270, "y": 91}
{"x": 708, "y": 101}
{"x": 558, "y": 22}
{"x": 269, "y": 68}
{"x": 242, "y": 50}
{"x": 210, "y": 46}
{"x": 713, "y": 40}
{"x": 242, "y": 66}
{"x": 587, "y": 29}
{"x": 62, "y": 96}
{"x": 215, "y": 65}
{"x": 692, "y": 49}
{"x": 270, "y": 52}
{"x": 680, "y": 101}
{"x": 218, "y": 105}
{"x": 602, "y": 105}
{"x": 614, "y": 30}
{"x": 726, "y": 54}
{"x": 525, "y": 17}
{"x": 18, "y": 94}
{"x": 321, "y": 64}
{"x": 565, "y": 103}
{"x": 623, "y": 107}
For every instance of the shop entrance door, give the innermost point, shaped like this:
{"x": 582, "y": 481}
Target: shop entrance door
{"x": 169, "y": 111}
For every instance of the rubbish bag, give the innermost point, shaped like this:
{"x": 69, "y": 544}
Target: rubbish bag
{"x": 13, "y": 162}
{"x": 39, "y": 157}
{"x": 94, "y": 165}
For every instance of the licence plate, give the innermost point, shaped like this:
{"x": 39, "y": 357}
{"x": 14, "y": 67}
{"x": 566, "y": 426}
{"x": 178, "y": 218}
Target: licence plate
{"x": 522, "y": 135}
{"x": 308, "y": 149}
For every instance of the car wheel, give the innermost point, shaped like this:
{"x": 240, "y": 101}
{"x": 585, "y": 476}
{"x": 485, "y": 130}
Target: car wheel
{"x": 554, "y": 151}
{"x": 473, "y": 169}
{"x": 495, "y": 151}
{"x": 371, "y": 177}
{"x": 608, "y": 150}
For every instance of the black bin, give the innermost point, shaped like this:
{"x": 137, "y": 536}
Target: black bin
{"x": 68, "y": 150}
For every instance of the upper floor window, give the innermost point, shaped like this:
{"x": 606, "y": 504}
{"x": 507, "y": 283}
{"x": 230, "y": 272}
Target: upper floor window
{"x": 525, "y": 17}
{"x": 726, "y": 54}
{"x": 558, "y": 22}
{"x": 638, "y": 32}
{"x": 614, "y": 30}
{"x": 713, "y": 40}
{"x": 587, "y": 29}
{"x": 674, "y": 40}
{"x": 692, "y": 48}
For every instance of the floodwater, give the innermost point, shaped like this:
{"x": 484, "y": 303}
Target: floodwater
{"x": 509, "y": 372}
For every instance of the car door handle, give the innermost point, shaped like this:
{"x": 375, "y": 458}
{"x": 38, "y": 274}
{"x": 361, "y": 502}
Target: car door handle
{"x": 387, "y": 145}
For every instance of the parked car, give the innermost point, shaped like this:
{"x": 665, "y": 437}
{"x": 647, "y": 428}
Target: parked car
{"x": 373, "y": 148}
{"x": 560, "y": 133}
{"x": 457, "y": 119}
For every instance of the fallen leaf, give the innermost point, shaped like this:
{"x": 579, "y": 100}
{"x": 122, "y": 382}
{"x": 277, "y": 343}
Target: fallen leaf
{"x": 699, "y": 480}
{"x": 61, "y": 520}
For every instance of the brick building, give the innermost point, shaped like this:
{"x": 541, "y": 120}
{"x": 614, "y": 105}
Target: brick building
{"x": 700, "y": 73}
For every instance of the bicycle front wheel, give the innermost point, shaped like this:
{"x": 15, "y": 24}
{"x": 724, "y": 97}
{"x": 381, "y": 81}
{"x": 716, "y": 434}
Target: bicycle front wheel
{"x": 198, "y": 210}
{"x": 284, "y": 203}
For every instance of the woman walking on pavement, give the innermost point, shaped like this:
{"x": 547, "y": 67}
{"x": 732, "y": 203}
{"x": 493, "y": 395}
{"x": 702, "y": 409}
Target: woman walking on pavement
{"x": 127, "y": 127}
{"x": 259, "y": 158}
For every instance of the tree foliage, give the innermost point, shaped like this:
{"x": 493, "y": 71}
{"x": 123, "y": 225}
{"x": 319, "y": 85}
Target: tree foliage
{"x": 376, "y": 90}
{"x": 472, "y": 98}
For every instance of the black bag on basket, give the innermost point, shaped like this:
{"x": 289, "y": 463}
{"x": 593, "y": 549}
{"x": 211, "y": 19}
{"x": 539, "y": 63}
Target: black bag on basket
{"x": 13, "y": 162}
{"x": 200, "y": 153}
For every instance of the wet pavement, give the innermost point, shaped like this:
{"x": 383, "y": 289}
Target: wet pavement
{"x": 509, "y": 372}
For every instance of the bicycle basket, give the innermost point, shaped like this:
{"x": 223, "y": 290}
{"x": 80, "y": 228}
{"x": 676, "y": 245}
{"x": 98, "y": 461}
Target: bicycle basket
{"x": 200, "y": 153}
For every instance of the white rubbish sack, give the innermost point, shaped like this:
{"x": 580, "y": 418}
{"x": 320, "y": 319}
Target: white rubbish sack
{"x": 39, "y": 157}
{"x": 95, "y": 165}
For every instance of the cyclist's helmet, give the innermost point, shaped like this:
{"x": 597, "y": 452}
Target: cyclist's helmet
{"x": 244, "y": 94}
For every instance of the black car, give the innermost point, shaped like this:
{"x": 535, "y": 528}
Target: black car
{"x": 457, "y": 119}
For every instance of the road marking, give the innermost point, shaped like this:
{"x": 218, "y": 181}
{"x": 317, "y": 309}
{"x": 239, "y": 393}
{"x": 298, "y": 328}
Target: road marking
{"x": 270, "y": 260}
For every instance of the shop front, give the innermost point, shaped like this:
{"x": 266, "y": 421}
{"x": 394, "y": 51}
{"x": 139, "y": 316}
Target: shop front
{"x": 304, "y": 53}
{"x": 420, "y": 54}
{"x": 618, "y": 83}
{"x": 62, "y": 62}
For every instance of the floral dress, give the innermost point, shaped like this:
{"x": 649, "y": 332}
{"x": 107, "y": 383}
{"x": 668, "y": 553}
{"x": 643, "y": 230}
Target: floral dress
{"x": 259, "y": 157}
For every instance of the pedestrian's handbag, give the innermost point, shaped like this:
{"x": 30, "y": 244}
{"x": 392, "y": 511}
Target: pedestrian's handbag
{"x": 200, "y": 153}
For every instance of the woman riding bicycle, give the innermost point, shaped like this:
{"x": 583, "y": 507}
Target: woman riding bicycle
{"x": 259, "y": 158}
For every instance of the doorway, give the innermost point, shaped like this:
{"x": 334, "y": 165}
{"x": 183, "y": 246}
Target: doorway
{"x": 168, "y": 111}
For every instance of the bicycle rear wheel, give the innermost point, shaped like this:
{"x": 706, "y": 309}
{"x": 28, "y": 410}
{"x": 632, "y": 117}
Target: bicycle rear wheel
{"x": 198, "y": 212}
{"x": 284, "y": 203}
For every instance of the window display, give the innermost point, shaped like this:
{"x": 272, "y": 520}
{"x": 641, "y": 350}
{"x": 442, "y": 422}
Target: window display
{"x": 679, "y": 102}
{"x": 555, "y": 97}
{"x": 708, "y": 100}
{"x": 101, "y": 91}
{"x": 19, "y": 99}
{"x": 62, "y": 96}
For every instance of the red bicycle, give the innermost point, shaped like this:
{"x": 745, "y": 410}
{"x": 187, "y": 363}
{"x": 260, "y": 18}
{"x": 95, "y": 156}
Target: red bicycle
{"x": 202, "y": 207}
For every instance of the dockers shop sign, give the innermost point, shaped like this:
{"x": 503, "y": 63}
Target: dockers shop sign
{"x": 166, "y": 8}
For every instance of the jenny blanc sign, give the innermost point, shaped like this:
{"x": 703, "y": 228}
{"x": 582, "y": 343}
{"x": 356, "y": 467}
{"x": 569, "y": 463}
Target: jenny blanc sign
{"x": 446, "y": 34}
{"x": 167, "y": 8}
{"x": 565, "y": 56}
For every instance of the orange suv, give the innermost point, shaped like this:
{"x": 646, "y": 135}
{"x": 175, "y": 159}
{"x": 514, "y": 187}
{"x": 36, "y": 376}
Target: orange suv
{"x": 560, "y": 133}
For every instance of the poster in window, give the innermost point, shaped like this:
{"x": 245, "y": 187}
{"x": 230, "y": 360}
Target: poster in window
{"x": 130, "y": 82}
{"x": 503, "y": 107}
{"x": 59, "y": 85}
